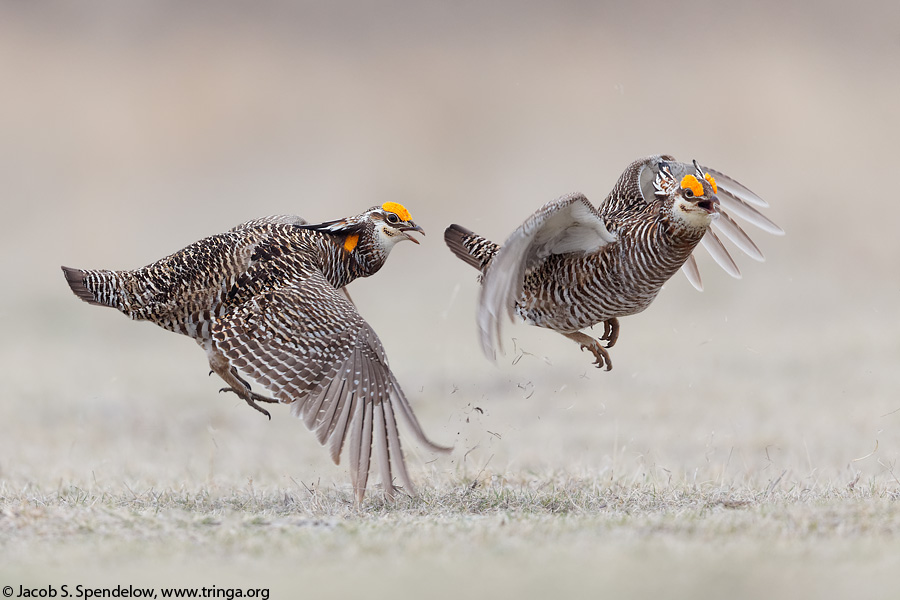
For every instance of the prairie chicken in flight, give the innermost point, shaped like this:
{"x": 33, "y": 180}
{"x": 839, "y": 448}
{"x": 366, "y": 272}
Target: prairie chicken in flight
{"x": 570, "y": 265}
{"x": 267, "y": 299}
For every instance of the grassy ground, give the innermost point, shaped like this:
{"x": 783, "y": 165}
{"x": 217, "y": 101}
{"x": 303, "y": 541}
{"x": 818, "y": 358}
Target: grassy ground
{"x": 566, "y": 480}
{"x": 546, "y": 534}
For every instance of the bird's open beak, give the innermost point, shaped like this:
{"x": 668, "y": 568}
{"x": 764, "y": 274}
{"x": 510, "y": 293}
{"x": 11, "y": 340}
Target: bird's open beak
{"x": 710, "y": 204}
{"x": 411, "y": 227}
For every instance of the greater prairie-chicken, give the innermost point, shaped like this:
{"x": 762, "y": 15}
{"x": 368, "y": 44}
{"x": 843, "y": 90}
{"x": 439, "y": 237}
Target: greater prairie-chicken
{"x": 266, "y": 299}
{"x": 570, "y": 265}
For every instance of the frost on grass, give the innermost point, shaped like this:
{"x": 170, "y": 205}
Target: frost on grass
{"x": 498, "y": 521}
{"x": 71, "y": 509}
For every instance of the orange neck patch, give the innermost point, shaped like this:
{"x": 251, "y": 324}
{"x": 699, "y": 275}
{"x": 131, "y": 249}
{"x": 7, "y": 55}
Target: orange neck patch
{"x": 712, "y": 182}
{"x": 397, "y": 209}
{"x": 351, "y": 242}
{"x": 689, "y": 182}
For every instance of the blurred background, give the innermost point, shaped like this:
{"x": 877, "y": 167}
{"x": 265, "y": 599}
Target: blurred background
{"x": 129, "y": 130}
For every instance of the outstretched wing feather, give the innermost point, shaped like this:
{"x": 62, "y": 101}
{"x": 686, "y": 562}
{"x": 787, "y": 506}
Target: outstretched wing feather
{"x": 568, "y": 224}
{"x": 308, "y": 346}
{"x": 739, "y": 207}
{"x": 735, "y": 188}
{"x": 380, "y": 446}
{"x": 738, "y": 236}
{"x": 692, "y": 273}
{"x": 737, "y": 200}
{"x": 720, "y": 254}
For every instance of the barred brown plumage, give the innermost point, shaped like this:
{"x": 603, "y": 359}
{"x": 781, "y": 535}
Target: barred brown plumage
{"x": 267, "y": 299}
{"x": 570, "y": 265}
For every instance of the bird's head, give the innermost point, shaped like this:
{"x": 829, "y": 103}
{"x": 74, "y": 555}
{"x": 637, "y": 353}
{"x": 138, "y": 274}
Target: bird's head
{"x": 392, "y": 224}
{"x": 690, "y": 195}
{"x": 378, "y": 229}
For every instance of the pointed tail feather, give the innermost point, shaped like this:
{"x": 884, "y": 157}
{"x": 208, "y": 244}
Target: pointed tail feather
{"x": 76, "y": 278}
{"x": 470, "y": 247}
{"x": 95, "y": 286}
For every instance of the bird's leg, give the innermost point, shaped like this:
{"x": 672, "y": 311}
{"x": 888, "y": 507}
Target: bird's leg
{"x": 236, "y": 384}
{"x": 596, "y": 348}
{"x": 610, "y": 332}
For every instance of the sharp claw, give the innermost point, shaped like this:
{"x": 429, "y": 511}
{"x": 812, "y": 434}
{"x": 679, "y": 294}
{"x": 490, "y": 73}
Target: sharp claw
{"x": 251, "y": 400}
{"x": 610, "y": 332}
{"x": 601, "y": 356}
{"x": 260, "y": 409}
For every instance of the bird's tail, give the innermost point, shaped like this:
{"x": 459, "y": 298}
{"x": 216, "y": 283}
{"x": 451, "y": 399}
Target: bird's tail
{"x": 469, "y": 247}
{"x": 96, "y": 286}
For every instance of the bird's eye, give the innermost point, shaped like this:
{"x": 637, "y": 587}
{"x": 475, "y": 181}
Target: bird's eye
{"x": 393, "y": 219}
{"x": 687, "y": 193}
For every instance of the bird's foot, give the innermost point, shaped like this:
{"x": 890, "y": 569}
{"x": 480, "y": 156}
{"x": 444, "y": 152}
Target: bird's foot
{"x": 600, "y": 354}
{"x": 251, "y": 398}
{"x": 236, "y": 384}
{"x": 610, "y": 332}
{"x": 586, "y": 342}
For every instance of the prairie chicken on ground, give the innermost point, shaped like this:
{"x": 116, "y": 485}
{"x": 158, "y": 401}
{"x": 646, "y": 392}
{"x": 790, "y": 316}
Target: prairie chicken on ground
{"x": 267, "y": 299}
{"x": 572, "y": 266}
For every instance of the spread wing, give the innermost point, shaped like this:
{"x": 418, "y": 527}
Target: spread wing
{"x": 736, "y": 199}
{"x": 308, "y": 346}
{"x": 568, "y": 224}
